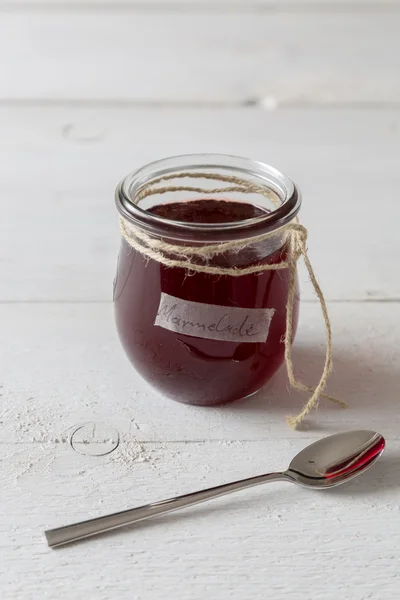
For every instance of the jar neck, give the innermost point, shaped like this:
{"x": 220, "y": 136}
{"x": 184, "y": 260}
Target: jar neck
{"x": 207, "y": 177}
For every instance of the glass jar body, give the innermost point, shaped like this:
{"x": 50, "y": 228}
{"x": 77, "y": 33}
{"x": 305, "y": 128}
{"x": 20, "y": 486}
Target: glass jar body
{"x": 191, "y": 369}
{"x": 201, "y": 368}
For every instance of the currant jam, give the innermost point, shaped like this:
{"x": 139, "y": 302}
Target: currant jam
{"x": 192, "y": 369}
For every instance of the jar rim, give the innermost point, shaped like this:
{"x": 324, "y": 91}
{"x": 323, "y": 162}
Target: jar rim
{"x": 272, "y": 179}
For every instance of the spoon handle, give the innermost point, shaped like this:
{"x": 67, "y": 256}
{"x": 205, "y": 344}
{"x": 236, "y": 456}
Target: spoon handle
{"x": 84, "y": 529}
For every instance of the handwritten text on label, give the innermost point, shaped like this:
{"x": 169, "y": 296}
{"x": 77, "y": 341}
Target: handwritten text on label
{"x": 210, "y": 321}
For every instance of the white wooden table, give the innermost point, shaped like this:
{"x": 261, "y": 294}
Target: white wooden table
{"x": 89, "y": 91}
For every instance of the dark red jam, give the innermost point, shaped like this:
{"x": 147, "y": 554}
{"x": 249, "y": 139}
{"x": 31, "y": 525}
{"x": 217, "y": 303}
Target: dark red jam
{"x": 192, "y": 369}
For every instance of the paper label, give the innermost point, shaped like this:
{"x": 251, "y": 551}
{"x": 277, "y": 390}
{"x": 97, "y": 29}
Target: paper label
{"x": 213, "y": 322}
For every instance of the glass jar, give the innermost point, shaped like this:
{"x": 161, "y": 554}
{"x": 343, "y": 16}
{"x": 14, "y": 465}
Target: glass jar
{"x": 204, "y": 338}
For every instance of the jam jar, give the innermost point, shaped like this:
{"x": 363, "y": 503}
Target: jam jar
{"x": 206, "y": 328}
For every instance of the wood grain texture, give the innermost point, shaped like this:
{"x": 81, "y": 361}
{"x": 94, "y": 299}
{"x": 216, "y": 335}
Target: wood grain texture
{"x": 60, "y": 165}
{"x": 184, "y": 57}
{"x": 62, "y": 365}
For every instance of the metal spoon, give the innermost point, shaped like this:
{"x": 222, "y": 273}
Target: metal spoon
{"x": 324, "y": 464}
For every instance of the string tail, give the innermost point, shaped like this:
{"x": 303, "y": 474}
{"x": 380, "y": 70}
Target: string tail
{"x": 299, "y": 248}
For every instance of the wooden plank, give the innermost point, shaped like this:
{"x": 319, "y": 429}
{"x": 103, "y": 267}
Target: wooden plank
{"x": 249, "y": 5}
{"x": 60, "y": 165}
{"x": 63, "y": 366}
{"x": 206, "y": 57}
{"x": 236, "y": 546}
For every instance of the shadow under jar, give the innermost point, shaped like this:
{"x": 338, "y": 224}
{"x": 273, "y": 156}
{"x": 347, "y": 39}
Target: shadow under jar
{"x": 205, "y": 338}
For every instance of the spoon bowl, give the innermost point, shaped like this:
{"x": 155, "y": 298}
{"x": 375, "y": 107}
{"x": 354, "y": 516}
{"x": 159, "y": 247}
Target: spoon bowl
{"x": 324, "y": 464}
{"x": 336, "y": 459}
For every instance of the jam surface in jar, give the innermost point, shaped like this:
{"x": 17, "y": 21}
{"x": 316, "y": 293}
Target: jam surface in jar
{"x": 191, "y": 369}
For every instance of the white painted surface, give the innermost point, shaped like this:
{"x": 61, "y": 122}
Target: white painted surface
{"x": 276, "y": 540}
{"x": 61, "y": 363}
{"x": 213, "y": 57}
{"x": 208, "y": 5}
